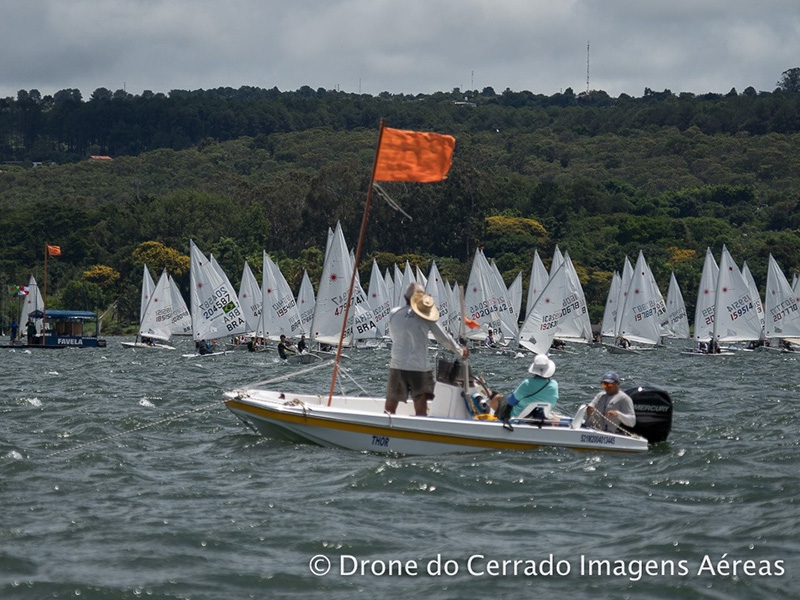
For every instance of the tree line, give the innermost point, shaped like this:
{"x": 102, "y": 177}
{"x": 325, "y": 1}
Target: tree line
{"x": 243, "y": 170}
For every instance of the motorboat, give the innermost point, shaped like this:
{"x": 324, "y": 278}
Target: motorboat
{"x": 454, "y": 423}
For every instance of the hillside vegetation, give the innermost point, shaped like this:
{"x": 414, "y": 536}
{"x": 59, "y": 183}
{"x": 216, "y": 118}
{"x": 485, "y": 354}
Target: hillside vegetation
{"x": 239, "y": 171}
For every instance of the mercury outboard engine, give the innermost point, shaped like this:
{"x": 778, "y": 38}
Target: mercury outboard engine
{"x": 653, "y": 408}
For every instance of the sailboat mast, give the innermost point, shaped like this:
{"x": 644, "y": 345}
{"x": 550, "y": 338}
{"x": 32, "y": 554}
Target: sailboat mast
{"x": 44, "y": 298}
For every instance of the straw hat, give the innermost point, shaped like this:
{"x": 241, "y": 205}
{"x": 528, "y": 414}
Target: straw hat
{"x": 424, "y": 306}
{"x": 542, "y": 366}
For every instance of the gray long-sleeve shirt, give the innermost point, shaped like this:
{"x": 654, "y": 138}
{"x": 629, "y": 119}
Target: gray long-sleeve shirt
{"x": 409, "y": 335}
{"x": 620, "y": 402}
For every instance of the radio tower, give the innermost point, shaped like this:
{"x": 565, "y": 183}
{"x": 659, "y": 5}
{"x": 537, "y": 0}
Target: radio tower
{"x": 587, "y": 68}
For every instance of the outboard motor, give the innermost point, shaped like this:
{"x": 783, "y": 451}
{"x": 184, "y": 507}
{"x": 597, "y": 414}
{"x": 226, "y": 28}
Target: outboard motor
{"x": 653, "y": 408}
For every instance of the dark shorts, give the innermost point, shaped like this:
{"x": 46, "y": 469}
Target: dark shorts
{"x": 401, "y": 384}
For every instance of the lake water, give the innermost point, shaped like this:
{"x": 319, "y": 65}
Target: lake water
{"x": 122, "y": 475}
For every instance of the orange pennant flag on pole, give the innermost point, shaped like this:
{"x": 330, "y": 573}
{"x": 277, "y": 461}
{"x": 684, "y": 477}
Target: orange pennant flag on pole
{"x": 471, "y": 324}
{"x": 413, "y": 156}
{"x": 53, "y": 250}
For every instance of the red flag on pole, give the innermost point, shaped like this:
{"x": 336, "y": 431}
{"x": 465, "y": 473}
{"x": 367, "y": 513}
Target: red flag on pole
{"x": 413, "y": 156}
{"x": 53, "y": 250}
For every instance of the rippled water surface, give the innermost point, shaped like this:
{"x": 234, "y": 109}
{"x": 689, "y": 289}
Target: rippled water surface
{"x": 122, "y": 475}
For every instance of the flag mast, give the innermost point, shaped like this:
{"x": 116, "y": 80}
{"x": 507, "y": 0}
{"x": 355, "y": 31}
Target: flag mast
{"x": 355, "y": 263}
{"x": 44, "y": 297}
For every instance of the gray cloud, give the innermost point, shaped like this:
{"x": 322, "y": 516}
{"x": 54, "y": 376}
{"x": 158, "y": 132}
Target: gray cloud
{"x": 409, "y": 46}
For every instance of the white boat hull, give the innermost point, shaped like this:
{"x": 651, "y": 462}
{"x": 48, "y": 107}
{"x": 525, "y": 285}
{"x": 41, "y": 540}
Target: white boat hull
{"x": 612, "y": 349}
{"x": 209, "y": 355}
{"x": 156, "y": 346}
{"x": 357, "y": 423}
{"x": 304, "y": 358}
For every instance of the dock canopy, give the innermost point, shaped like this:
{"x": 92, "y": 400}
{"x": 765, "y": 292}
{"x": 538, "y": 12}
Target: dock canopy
{"x": 64, "y": 315}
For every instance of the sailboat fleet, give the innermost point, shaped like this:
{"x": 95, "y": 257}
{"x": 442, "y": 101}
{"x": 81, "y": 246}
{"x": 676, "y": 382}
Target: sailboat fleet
{"x": 636, "y": 318}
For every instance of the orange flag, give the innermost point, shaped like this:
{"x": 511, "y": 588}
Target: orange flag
{"x": 53, "y": 250}
{"x": 471, "y": 324}
{"x": 413, "y": 156}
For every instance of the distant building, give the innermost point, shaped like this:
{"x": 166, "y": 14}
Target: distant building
{"x": 99, "y": 157}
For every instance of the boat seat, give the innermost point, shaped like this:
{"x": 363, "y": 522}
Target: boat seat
{"x": 580, "y": 417}
{"x": 527, "y": 412}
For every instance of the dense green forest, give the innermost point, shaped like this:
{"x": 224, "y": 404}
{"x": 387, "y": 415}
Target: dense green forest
{"x": 243, "y": 170}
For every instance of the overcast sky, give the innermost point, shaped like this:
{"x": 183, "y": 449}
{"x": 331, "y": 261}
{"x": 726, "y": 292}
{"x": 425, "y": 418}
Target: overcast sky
{"x": 399, "y": 46}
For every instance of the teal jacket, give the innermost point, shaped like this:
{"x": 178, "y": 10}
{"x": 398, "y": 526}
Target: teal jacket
{"x": 534, "y": 389}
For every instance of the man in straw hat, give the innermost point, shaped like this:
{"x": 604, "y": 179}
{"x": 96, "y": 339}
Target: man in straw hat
{"x": 539, "y": 387}
{"x": 410, "y": 370}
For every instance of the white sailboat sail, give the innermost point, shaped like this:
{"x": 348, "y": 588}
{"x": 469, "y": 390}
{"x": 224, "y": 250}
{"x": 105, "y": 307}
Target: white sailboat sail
{"x": 735, "y": 315}
{"x": 379, "y": 300}
{"x": 279, "y": 314}
{"x": 387, "y": 278}
{"x": 420, "y": 277}
{"x": 216, "y": 312}
{"x": 609, "y": 324}
{"x": 33, "y": 302}
{"x": 250, "y": 299}
{"x": 661, "y": 304}
{"x": 399, "y": 290}
{"x": 480, "y": 299}
{"x": 639, "y": 318}
{"x": 181, "y": 317}
{"x": 541, "y": 323}
{"x": 509, "y": 322}
{"x": 676, "y": 311}
{"x": 305, "y": 303}
{"x": 706, "y": 300}
{"x": 326, "y": 327}
{"x": 625, "y": 283}
{"x": 440, "y": 292}
{"x": 364, "y": 323}
{"x": 148, "y": 285}
{"x": 455, "y": 323}
{"x": 156, "y": 320}
{"x": 514, "y": 296}
{"x": 754, "y": 293}
{"x": 406, "y": 280}
{"x": 782, "y": 305}
{"x": 538, "y": 280}
{"x": 574, "y": 325}
{"x": 558, "y": 258}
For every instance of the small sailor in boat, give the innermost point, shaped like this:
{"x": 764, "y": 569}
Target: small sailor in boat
{"x": 203, "y": 347}
{"x": 623, "y": 342}
{"x": 284, "y": 348}
{"x": 301, "y": 345}
{"x": 612, "y": 407}
{"x": 489, "y": 341}
{"x": 410, "y": 370}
